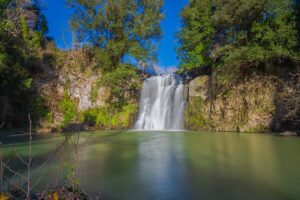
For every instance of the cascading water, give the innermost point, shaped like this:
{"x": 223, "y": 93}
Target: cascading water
{"x": 162, "y": 103}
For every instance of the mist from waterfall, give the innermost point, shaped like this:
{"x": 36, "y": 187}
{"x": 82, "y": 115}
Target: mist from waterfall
{"x": 162, "y": 103}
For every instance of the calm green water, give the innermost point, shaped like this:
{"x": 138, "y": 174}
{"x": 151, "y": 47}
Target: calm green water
{"x": 168, "y": 165}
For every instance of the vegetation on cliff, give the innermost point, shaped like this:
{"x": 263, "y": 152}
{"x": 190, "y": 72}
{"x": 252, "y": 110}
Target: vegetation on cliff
{"x": 112, "y": 38}
{"x": 238, "y": 36}
{"x": 120, "y": 33}
{"x": 241, "y": 41}
{"x": 22, "y": 35}
{"x": 96, "y": 83}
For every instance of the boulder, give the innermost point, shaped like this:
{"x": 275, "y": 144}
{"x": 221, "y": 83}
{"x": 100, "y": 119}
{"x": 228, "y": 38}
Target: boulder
{"x": 199, "y": 87}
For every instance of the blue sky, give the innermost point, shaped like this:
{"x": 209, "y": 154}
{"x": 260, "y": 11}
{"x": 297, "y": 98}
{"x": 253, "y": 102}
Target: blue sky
{"x": 58, "y": 14}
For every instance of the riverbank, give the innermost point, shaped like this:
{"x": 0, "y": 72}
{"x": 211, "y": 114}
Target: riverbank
{"x": 65, "y": 193}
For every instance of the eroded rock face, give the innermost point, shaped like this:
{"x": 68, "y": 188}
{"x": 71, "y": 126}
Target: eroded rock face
{"x": 247, "y": 107}
{"x": 199, "y": 87}
{"x": 80, "y": 90}
{"x": 70, "y": 88}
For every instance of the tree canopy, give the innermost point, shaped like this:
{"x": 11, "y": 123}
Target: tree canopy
{"x": 22, "y": 34}
{"x": 119, "y": 33}
{"x": 238, "y": 35}
{"x": 118, "y": 28}
{"x": 196, "y": 35}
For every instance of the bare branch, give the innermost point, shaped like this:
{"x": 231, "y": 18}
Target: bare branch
{"x": 20, "y": 158}
{"x": 29, "y": 159}
{"x": 14, "y": 172}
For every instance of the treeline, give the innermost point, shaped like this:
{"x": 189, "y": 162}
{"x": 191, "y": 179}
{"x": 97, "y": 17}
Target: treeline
{"x": 244, "y": 46}
{"x": 22, "y": 35}
{"x": 231, "y": 40}
{"x": 236, "y": 38}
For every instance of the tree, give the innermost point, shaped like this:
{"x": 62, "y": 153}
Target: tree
{"x": 196, "y": 35}
{"x": 19, "y": 45}
{"x": 297, "y": 11}
{"x": 246, "y": 35}
{"x": 118, "y": 28}
{"x": 251, "y": 33}
{"x": 118, "y": 31}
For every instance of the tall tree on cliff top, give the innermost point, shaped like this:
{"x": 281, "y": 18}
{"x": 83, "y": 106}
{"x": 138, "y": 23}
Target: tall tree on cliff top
{"x": 254, "y": 33}
{"x": 118, "y": 28}
{"x": 246, "y": 34}
{"x": 196, "y": 35}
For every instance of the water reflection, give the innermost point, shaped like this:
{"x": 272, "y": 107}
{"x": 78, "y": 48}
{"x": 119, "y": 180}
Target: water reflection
{"x": 179, "y": 165}
{"x": 161, "y": 166}
{"x": 240, "y": 167}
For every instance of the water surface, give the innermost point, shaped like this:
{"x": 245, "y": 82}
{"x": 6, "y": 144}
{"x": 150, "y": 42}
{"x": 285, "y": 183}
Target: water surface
{"x": 167, "y": 165}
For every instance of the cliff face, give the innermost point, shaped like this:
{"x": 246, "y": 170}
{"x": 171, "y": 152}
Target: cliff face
{"x": 252, "y": 106}
{"x": 69, "y": 88}
{"x": 75, "y": 100}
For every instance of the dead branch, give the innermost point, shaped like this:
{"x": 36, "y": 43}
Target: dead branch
{"x": 29, "y": 159}
{"x": 14, "y": 172}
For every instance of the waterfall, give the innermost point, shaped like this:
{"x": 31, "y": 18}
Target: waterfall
{"x": 162, "y": 103}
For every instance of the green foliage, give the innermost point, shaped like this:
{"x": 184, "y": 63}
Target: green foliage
{"x": 90, "y": 116}
{"x": 49, "y": 117}
{"x": 24, "y": 28}
{"x": 111, "y": 117}
{"x": 238, "y": 37}
{"x": 227, "y": 94}
{"x": 19, "y": 48}
{"x": 123, "y": 85}
{"x": 196, "y": 35}
{"x": 68, "y": 109}
{"x": 41, "y": 25}
{"x": 71, "y": 171}
{"x": 195, "y": 119}
{"x": 126, "y": 116}
{"x": 297, "y": 11}
{"x": 259, "y": 129}
{"x": 38, "y": 108}
{"x": 269, "y": 34}
{"x": 118, "y": 28}
{"x": 119, "y": 33}
{"x": 27, "y": 83}
{"x": 105, "y": 118}
{"x": 94, "y": 93}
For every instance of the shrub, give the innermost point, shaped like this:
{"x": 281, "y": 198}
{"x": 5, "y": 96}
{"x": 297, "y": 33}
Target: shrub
{"x": 122, "y": 83}
{"x": 68, "y": 109}
{"x": 110, "y": 117}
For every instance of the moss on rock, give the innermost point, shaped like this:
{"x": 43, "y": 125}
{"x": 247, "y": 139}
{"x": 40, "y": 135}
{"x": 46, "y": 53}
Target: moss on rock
{"x": 247, "y": 107}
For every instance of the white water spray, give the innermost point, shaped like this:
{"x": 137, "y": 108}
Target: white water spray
{"x": 162, "y": 104}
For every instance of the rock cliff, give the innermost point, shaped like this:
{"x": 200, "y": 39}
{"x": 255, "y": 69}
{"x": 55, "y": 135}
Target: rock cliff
{"x": 251, "y": 106}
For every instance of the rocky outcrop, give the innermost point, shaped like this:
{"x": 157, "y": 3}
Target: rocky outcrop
{"x": 199, "y": 87}
{"x": 69, "y": 87}
{"x": 247, "y": 107}
{"x": 84, "y": 90}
